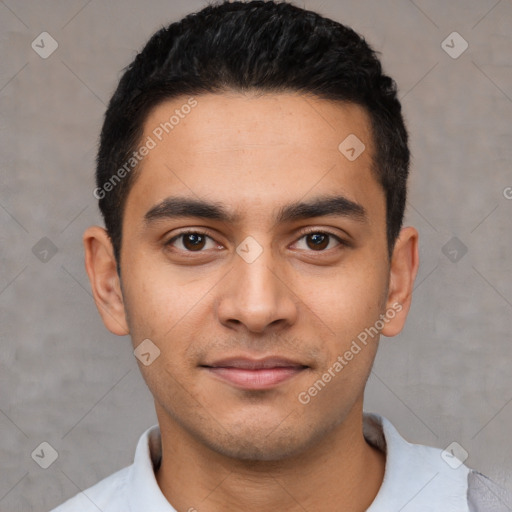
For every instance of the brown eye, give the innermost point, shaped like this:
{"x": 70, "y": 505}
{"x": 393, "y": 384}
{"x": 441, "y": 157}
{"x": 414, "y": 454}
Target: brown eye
{"x": 193, "y": 241}
{"x": 317, "y": 241}
{"x": 190, "y": 241}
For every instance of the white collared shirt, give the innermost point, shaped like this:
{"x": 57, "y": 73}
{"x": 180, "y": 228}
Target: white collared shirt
{"x": 417, "y": 478}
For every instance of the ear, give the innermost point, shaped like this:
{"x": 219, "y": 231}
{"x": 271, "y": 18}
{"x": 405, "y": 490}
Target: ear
{"x": 403, "y": 270}
{"x": 101, "y": 268}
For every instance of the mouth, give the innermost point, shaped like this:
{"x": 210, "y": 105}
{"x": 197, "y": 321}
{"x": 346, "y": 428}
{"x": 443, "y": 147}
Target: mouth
{"x": 255, "y": 374}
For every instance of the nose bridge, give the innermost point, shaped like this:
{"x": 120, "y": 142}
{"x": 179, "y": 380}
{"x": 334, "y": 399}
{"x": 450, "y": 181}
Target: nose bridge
{"x": 255, "y": 294}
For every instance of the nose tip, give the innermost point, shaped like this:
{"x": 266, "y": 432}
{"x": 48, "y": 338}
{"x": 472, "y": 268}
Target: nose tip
{"x": 256, "y": 297}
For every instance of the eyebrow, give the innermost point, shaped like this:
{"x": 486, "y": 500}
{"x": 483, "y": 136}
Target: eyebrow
{"x": 338, "y": 206}
{"x": 178, "y": 207}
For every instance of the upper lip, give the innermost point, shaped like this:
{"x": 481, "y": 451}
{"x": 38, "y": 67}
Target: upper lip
{"x": 248, "y": 363}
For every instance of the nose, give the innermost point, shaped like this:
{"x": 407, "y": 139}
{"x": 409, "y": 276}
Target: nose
{"x": 257, "y": 295}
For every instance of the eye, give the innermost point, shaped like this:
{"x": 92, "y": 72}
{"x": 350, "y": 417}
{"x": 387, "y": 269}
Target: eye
{"x": 192, "y": 241}
{"x": 319, "y": 241}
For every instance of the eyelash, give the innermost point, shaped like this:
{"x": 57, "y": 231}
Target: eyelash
{"x": 189, "y": 232}
{"x": 310, "y": 231}
{"x": 303, "y": 234}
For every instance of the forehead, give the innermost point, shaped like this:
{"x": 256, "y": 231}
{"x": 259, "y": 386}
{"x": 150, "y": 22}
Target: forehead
{"x": 248, "y": 149}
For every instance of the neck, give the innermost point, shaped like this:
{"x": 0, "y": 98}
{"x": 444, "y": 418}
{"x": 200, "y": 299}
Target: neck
{"x": 341, "y": 472}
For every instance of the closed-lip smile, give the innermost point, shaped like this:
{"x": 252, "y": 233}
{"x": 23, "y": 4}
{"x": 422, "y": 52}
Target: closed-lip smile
{"x": 252, "y": 373}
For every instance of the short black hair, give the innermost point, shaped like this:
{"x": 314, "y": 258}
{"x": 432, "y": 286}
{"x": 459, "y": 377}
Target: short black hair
{"x": 262, "y": 46}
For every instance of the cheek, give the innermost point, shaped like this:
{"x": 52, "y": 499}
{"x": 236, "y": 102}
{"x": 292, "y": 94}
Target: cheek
{"x": 346, "y": 300}
{"x": 155, "y": 301}
{"x": 170, "y": 312}
{"x": 170, "y": 377}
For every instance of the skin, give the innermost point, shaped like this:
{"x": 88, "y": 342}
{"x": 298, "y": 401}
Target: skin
{"x": 227, "y": 448}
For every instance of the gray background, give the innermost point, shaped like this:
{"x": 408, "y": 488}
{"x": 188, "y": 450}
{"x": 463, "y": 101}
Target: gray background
{"x": 66, "y": 380}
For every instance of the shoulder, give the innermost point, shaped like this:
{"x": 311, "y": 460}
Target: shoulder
{"x": 108, "y": 495}
{"x": 131, "y": 488}
{"x": 423, "y": 478}
{"x": 484, "y": 495}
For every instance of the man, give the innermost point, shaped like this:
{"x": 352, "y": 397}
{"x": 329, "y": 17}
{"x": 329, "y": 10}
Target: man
{"x": 252, "y": 176}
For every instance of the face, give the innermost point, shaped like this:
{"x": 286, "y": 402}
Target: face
{"x": 254, "y": 257}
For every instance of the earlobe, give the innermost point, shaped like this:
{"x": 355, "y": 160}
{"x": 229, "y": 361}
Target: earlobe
{"x": 403, "y": 269}
{"x": 100, "y": 265}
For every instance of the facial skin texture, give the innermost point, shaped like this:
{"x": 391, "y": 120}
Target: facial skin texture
{"x": 227, "y": 448}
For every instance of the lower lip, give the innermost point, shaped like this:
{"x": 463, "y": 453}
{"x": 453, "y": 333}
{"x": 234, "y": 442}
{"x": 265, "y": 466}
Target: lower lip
{"x": 263, "y": 378}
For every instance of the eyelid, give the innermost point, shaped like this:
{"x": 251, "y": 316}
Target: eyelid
{"x": 322, "y": 231}
{"x": 302, "y": 233}
{"x": 195, "y": 231}
{"x": 188, "y": 231}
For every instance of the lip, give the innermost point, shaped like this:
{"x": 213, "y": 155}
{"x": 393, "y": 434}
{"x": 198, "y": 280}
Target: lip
{"x": 250, "y": 373}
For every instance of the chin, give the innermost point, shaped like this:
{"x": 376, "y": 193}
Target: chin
{"x": 260, "y": 443}
{"x": 267, "y": 450}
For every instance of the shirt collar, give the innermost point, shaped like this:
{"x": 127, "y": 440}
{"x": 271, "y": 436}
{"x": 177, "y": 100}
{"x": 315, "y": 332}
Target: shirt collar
{"x": 407, "y": 466}
{"x": 416, "y": 477}
{"x": 142, "y": 484}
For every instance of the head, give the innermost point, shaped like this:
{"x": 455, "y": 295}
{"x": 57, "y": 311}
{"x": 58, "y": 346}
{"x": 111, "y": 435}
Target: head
{"x": 251, "y": 47}
{"x": 272, "y": 137}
